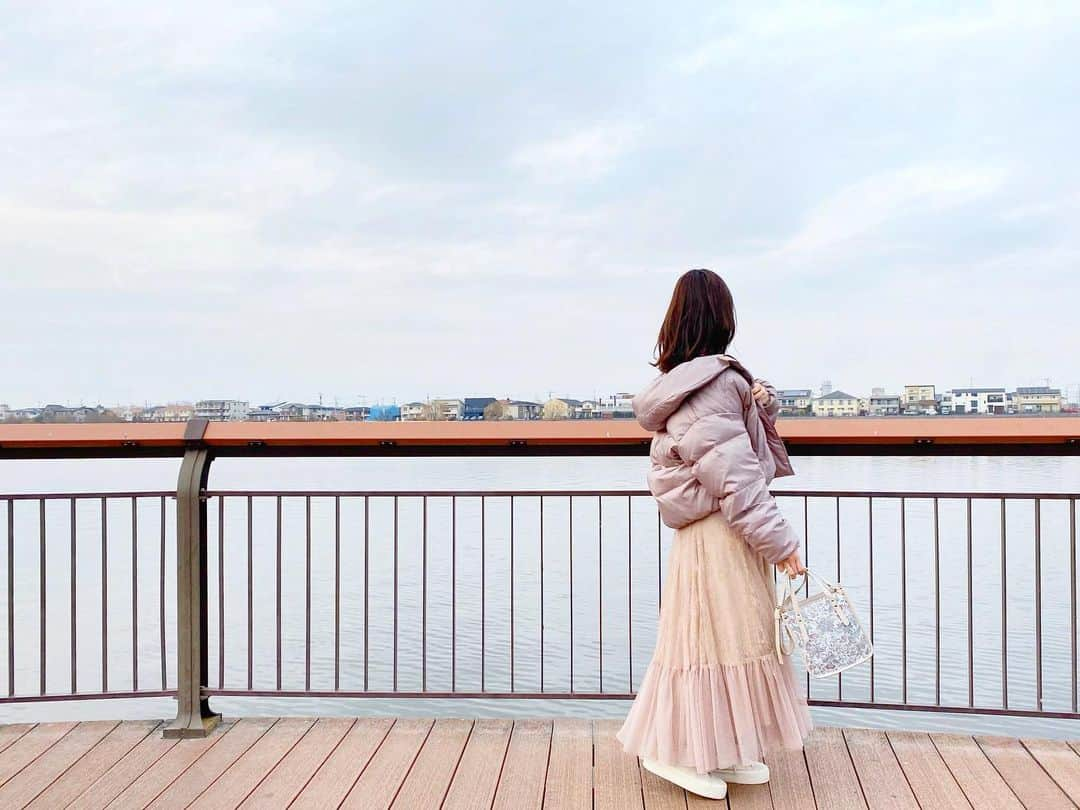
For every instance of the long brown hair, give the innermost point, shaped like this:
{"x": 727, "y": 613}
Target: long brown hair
{"x": 700, "y": 320}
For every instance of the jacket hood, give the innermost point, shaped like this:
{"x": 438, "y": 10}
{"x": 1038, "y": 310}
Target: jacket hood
{"x": 663, "y": 396}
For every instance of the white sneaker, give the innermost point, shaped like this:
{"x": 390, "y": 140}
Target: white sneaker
{"x": 707, "y": 785}
{"x": 756, "y": 773}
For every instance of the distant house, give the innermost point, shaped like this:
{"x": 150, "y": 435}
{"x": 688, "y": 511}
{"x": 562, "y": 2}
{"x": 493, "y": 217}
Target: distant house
{"x": 474, "y": 407}
{"x": 4, "y": 412}
{"x": 355, "y": 413}
{"x": 919, "y": 399}
{"x": 1038, "y": 399}
{"x": 883, "y": 404}
{"x": 266, "y": 413}
{"x": 836, "y": 403}
{"x": 563, "y": 408}
{"x": 590, "y": 409}
{"x": 412, "y": 411}
{"x": 447, "y": 409}
{"x": 522, "y": 409}
{"x": 795, "y": 401}
{"x": 173, "y": 412}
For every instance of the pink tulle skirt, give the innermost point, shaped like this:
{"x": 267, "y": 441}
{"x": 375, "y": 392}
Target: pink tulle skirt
{"x": 715, "y": 695}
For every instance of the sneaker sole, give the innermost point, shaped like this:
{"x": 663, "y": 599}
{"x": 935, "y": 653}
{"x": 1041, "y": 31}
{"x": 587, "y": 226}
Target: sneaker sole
{"x": 685, "y": 785}
{"x": 747, "y": 779}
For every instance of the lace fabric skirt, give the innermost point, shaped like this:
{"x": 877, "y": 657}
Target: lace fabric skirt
{"x": 714, "y": 694}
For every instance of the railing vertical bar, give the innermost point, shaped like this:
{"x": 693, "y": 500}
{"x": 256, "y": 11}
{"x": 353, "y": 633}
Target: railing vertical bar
{"x": 453, "y": 593}
{"x": 134, "y": 594}
{"x": 630, "y": 591}
{"x": 161, "y": 592}
{"x": 1038, "y": 606}
{"x": 278, "y": 591}
{"x": 11, "y": 595}
{"x": 74, "y": 571}
{"x": 104, "y": 596}
{"x": 307, "y": 593}
{"x": 41, "y": 591}
{"x": 250, "y": 597}
{"x": 903, "y": 598}
{"x": 937, "y": 605}
{"x": 483, "y": 585}
{"x": 971, "y": 622}
{"x": 221, "y": 591}
{"x": 1072, "y": 595}
{"x": 337, "y": 592}
{"x": 806, "y": 542}
{"x": 570, "y": 548}
{"x": 511, "y": 593}
{"x": 367, "y": 606}
{"x": 395, "y": 590}
{"x": 870, "y": 525}
{"x": 423, "y": 609}
{"x": 542, "y": 594}
{"x": 600, "y": 584}
{"x": 840, "y": 676}
{"x": 1004, "y": 616}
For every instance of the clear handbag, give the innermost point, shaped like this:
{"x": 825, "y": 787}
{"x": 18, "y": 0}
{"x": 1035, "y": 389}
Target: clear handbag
{"x": 824, "y": 625}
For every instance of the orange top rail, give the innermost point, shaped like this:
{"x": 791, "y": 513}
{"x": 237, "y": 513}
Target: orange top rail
{"x": 836, "y": 435}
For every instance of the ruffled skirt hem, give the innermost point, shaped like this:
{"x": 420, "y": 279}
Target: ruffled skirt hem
{"x": 716, "y": 716}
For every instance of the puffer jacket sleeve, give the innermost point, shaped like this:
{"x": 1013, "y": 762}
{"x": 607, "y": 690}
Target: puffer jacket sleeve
{"x": 772, "y": 408}
{"x": 717, "y": 447}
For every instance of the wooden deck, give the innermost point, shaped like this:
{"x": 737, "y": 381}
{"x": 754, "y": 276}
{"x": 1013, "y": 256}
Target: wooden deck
{"x": 456, "y": 763}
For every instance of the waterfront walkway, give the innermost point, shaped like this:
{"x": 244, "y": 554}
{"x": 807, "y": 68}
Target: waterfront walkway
{"x": 460, "y": 763}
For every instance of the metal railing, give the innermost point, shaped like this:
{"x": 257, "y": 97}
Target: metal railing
{"x": 575, "y": 603}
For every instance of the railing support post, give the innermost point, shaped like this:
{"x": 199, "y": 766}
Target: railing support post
{"x": 194, "y": 718}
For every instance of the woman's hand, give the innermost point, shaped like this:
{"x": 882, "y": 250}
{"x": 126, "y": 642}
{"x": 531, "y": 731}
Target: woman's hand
{"x": 761, "y": 393}
{"x": 792, "y": 566}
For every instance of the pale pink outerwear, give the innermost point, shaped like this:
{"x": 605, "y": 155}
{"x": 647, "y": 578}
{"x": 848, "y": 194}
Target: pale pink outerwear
{"x": 715, "y": 694}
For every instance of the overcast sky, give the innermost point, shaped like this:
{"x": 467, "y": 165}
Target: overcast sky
{"x": 398, "y": 199}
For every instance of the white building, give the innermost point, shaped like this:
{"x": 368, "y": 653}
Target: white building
{"x": 412, "y": 411}
{"x": 221, "y": 410}
{"x": 975, "y": 401}
{"x": 617, "y": 406}
{"x": 795, "y": 401}
{"x": 448, "y": 409}
{"x": 522, "y": 409}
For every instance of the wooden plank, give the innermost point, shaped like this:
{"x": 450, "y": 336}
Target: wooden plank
{"x": 789, "y": 780}
{"x": 347, "y": 761}
{"x": 569, "y": 774}
{"x": 231, "y": 788}
{"x": 883, "y": 782}
{"x": 977, "y": 777}
{"x": 1060, "y": 761}
{"x": 127, "y": 769}
{"x": 430, "y": 775}
{"x": 745, "y": 797}
{"x": 381, "y": 779}
{"x": 617, "y": 778}
{"x": 289, "y": 776}
{"x": 11, "y": 732}
{"x": 521, "y": 785}
{"x": 927, "y": 773}
{"x": 127, "y": 786}
{"x": 30, "y": 746}
{"x": 660, "y": 794}
{"x": 831, "y": 773}
{"x": 97, "y": 761}
{"x": 183, "y": 787}
{"x": 477, "y": 777}
{"x": 1025, "y": 776}
{"x": 22, "y": 788}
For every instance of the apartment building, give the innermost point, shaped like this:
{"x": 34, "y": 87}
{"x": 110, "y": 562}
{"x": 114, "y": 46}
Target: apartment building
{"x": 447, "y": 409}
{"x": 920, "y": 399}
{"x": 412, "y": 411}
{"x": 615, "y": 406}
{"x": 221, "y": 410}
{"x": 880, "y": 403}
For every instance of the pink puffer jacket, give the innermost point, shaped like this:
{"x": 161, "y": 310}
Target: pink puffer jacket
{"x": 716, "y": 448}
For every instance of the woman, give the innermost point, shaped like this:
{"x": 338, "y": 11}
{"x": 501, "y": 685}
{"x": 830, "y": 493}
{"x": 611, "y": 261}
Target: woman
{"x": 715, "y": 696}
